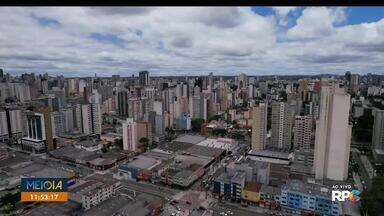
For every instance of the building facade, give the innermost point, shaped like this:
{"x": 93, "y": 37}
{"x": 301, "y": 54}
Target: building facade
{"x": 259, "y": 126}
{"x": 333, "y": 134}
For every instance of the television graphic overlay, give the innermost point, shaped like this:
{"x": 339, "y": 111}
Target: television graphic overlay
{"x": 44, "y": 190}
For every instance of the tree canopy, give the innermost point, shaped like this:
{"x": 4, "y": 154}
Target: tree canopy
{"x": 373, "y": 199}
{"x": 196, "y": 124}
{"x": 362, "y": 129}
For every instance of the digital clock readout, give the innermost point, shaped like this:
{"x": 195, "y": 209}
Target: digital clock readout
{"x": 44, "y": 196}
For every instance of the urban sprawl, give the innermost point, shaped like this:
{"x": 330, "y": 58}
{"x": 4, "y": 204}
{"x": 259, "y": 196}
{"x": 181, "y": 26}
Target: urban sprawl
{"x": 196, "y": 145}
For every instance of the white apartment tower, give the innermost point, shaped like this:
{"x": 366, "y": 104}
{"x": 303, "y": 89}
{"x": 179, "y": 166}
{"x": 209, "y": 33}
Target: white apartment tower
{"x": 259, "y": 126}
{"x": 378, "y": 130}
{"x": 333, "y": 134}
{"x": 91, "y": 118}
{"x": 130, "y": 135}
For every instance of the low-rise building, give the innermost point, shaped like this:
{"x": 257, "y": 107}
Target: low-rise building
{"x": 251, "y": 192}
{"x": 229, "y": 186}
{"x": 308, "y": 198}
{"x": 270, "y": 156}
{"x": 93, "y": 190}
{"x": 140, "y": 168}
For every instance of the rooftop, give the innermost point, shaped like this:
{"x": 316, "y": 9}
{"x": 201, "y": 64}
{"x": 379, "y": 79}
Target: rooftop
{"x": 192, "y": 139}
{"x": 142, "y": 162}
{"x": 252, "y": 186}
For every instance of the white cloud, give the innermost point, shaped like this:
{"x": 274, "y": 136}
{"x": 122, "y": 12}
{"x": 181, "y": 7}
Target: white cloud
{"x": 185, "y": 41}
{"x": 282, "y": 13}
{"x": 314, "y": 23}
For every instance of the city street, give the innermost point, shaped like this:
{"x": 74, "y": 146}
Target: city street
{"x": 236, "y": 209}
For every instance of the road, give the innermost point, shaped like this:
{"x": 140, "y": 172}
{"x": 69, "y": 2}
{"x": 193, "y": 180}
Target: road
{"x": 236, "y": 209}
{"x": 150, "y": 188}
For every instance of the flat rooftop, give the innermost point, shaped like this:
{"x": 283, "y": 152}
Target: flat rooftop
{"x": 221, "y": 143}
{"x": 192, "y": 139}
{"x": 143, "y": 162}
{"x": 270, "y": 154}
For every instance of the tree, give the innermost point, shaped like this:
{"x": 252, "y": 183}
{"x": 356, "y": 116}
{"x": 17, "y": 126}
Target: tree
{"x": 169, "y": 133}
{"x": 119, "y": 143}
{"x": 196, "y": 124}
{"x": 238, "y": 135}
{"x": 104, "y": 149}
{"x": 8, "y": 208}
{"x": 373, "y": 199}
{"x": 219, "y": 132}
{"x": 8, "y": 202}
{"x": 362, "y": 130}
{"x": 144, "y": 143}
{"x": 215, "y": 117}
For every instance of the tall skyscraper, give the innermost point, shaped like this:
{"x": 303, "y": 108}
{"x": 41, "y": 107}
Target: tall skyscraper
{"x": 130, "y": 135}
{"x": 91, "y": 118}
{"x": 122, "y": 103}
{"x": 39, "y": 132}
{"x": 4, "y": 135}
{"x": 259, "y": 126}
{"x": 48, "y": 127}
{"x": 59, "y": 123}
{"x": 281, "y": 126}
{"x": 15, "y": 122}
{"x": 355, "y": 83}
{"x": 303, "y": 132}
{"x": 378, "y": 136}
{"x": 144, "y": 78}
{"x": 333, "y": 134}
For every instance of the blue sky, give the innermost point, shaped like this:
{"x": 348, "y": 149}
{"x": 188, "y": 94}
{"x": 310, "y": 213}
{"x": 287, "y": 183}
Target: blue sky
{"x": 181, "y": 41}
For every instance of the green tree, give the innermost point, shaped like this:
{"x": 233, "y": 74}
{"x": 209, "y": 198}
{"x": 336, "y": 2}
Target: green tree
{"x": 362, "y": 129}
{"x": 196, "y": 124}
{"x": 8, "y": 208}
{"x": 119, "y": 143}
{"x": 170, "y": 133}
{"x": 215, "y": 117}
{"x": 104, "y": 149}
{"x": 221, "y": 132}
{"x": 373, "y": 199}
{"x": 144, "y": 143}
{"x": 238, "y": 135}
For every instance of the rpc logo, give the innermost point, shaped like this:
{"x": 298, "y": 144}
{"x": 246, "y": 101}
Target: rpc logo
{"x": 351, "y": 196}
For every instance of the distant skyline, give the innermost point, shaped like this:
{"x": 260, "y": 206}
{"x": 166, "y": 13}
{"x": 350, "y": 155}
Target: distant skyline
{"x": 172, "y": 41}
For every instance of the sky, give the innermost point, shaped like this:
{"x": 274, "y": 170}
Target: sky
{"x": 82, "y": 41}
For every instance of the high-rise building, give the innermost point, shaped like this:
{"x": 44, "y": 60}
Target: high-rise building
{"x": 183, "y": 122}
{"x": 333, "y": 134}
{"x": 59, "y": 123}
{"x": 144, "y": 130}
{"x": 303, "y": 132}
{"x": 69, "y": 119}
{"x": 130, "y": 135}
{"x": 198, "y": 107}
{"x": 48, "y": 127}
{"x": 15, "y": 122}
{"x": 122, "y": 103}
{"x": 378, "y": 136}
{"x": 4, "y": 132}
{"x": 355, "y": 83}
{"x": 259, "y": 126}
{"x": 210, "y": 81}
{"x": 91, "y": 117}
{"x": 144, "y": 78}
{"x": 281, "y": 125}
{"x": 241, "y": 81}
{"x": 39, "y": 132}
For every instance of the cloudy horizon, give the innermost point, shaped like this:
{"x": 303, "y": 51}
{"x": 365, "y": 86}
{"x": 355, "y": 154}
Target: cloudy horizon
{"x": 82, "y": 41}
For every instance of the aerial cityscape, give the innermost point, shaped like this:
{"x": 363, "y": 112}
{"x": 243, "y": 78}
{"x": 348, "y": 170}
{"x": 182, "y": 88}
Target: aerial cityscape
{"x": 192, "y": 111}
